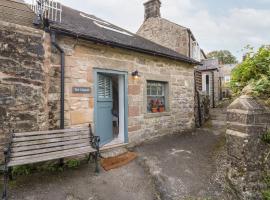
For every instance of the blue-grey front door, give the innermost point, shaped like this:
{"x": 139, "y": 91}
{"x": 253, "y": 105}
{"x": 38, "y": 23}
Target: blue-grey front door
{"x": 104, "y": 108}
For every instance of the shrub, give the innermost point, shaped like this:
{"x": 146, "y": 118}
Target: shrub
{"x": 254, "y": 72}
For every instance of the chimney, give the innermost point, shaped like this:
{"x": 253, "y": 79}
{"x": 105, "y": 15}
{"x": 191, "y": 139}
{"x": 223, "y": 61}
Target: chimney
{"x": 152, "y": 9}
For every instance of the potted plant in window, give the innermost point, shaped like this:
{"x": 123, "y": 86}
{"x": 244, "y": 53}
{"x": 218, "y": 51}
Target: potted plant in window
{"x": 154, "y": 106}
{"x": 161, "y": 107}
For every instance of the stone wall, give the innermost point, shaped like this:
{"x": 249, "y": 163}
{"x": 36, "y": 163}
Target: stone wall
{"x": 23, "y": 88}
{"x": 166, "y": 33}
{"x": 248, "y": 119}
{"x": 81, "y": 59}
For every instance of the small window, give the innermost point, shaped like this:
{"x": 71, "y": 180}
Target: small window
{"x": 156, "y": 96}
{"x": 227, "y": 79}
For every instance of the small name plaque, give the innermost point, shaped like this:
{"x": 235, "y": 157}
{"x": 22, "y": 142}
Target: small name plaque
{"x": 81, "y": 90}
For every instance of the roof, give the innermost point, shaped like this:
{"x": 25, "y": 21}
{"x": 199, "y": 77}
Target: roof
{"x": 16, "y": 12}
{"x": 209, "y": 65}
{"x": 95, "y": 29}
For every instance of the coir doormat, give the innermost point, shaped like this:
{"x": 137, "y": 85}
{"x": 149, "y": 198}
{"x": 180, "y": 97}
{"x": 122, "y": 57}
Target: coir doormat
{"x": 117, "y": 161}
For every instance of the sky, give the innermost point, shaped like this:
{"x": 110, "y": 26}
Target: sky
{"x": 216, "y": 24}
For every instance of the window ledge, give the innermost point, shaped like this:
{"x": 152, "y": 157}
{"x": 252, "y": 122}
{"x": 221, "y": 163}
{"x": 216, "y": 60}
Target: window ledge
{"x": 153, "y": 115}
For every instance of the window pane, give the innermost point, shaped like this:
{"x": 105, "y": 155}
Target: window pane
{"x": 155, "y": 97}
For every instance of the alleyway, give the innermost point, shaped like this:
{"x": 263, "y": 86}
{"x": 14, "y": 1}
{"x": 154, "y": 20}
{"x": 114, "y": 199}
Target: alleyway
{"x": 185, "y": 166}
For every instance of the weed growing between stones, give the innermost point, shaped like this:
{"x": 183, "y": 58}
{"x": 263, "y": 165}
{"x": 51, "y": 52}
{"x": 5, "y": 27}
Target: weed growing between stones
{"x": 266, "y": 192}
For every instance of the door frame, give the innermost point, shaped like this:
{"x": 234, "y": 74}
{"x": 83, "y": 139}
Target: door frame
{"x": 112, "y": 72}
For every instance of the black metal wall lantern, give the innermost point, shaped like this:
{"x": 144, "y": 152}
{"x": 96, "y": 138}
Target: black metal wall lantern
{"x": 135, "y": 74}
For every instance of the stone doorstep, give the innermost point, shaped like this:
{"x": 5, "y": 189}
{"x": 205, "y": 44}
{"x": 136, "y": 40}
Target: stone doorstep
{"x": 113, "y": 150}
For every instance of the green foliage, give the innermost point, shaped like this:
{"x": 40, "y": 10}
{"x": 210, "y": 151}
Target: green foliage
{"x": 22, "y": 170}
{"x": 266, "y": 139}
{"x": 254, "y": 72}
{"x": 224, "y": 56}
{"x": 73, "y": 163}
{"x": 48, "y": 166}
{"x": 266, "y": 194}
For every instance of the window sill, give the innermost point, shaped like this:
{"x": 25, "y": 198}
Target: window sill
{"x": 153, "y": 115}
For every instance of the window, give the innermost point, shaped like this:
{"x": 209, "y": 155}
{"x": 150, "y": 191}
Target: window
{"x": 196, "y": 51}
{"x": 156, "y": 96}
{"x": 207, "y": 84}
{"x": 227, "y": 79}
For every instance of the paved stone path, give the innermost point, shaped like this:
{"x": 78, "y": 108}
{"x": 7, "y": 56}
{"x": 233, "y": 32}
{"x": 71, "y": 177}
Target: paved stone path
{"x": 175, "y": 167}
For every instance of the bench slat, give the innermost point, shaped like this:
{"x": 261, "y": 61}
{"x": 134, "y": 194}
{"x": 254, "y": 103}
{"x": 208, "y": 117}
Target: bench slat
{"x": 48, "y": 150}
{"x": 50, "y": 132}
{"x": 52, "y": 140}
{"x": 40, "y": 137}
{"x": 50, "y": 156}
{"x": 48, "y": 145}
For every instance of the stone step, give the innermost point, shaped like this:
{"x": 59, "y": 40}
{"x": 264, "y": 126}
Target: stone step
{"x": 113, "y": 152}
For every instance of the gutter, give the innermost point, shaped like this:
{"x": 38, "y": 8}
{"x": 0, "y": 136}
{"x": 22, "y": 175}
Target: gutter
{"x": 62, "y": 98}
{"x": 114, "y": 44}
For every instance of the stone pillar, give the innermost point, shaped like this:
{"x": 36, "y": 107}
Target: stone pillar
{"x": 152, "y": 9}
{"x": 247, "y": 120}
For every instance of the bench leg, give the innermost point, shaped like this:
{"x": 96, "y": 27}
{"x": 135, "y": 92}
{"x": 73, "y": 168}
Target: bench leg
{"x": 96, "y": 161}
{"x": 61, "y": 162}
{"x": 10, "y": 176}
{"x": 90, "y": 157}
{"x": 4, "y": 196}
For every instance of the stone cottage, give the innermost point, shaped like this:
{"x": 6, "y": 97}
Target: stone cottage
{"x": 211, "y": 80}
{"x": 82, "y": 69}
{"x": 177, "y": 38}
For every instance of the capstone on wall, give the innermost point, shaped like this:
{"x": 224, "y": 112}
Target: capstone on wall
{"x": 23, "y": 79}
{"x": 81, "y": 59}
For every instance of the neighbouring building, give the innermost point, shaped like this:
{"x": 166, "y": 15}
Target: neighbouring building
{"x": 167, "y": 33}
{"x": 210, "y": 80}
{"x": 179, "y": 39}
{"x": 80, "y": 69}
{"x": 225, "y": 74}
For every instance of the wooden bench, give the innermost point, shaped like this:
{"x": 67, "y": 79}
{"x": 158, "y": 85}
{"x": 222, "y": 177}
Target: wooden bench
{"x": 34, "y": 147}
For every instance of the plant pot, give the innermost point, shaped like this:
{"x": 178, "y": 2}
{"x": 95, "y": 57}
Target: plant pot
{"x": 154, "y": 110}
{"x": 161, "y": 109}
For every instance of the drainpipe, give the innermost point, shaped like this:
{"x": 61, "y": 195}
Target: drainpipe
{"x": 198, "y": 100}
{"x": 213, "y": 92}
{"x": 62, "y": 98}
{"x": 189, "y": 43}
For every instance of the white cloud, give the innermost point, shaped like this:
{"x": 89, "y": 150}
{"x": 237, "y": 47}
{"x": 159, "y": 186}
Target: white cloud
{"x": 232, "y": 30}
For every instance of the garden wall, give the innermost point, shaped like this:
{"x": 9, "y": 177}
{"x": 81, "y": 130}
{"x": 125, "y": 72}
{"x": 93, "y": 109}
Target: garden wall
{"x": 248, "y": 120}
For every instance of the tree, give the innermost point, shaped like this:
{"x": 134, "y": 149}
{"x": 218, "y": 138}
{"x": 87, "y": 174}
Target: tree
{"x": 252, "y": 76}
{"x": 224, "y": 56}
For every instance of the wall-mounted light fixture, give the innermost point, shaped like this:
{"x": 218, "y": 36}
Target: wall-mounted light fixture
{"x": 135, "y": 74}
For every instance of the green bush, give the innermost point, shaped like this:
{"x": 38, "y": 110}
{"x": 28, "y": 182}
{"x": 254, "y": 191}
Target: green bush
{"x": 266, "y": 194}
{"x": 254, "y": 71}
{"x": 22, "y": 170}
{"x": 266, "y": 139}
{"x": 73, "y": 163}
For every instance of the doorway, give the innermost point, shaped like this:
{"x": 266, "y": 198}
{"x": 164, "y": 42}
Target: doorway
{"x": 111, "y": 107}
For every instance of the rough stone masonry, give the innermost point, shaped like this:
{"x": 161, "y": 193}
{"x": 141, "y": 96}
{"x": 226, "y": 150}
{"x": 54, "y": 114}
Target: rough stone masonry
{"x": 23, "y": 80}
{"x": 248, "y": 119}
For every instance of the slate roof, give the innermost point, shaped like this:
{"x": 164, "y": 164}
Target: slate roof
{"x": 209, "y": 65}
{"x": 16, "y": 12}
{"x": 89, "y": 27}
{"x": 92, "y": 28}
